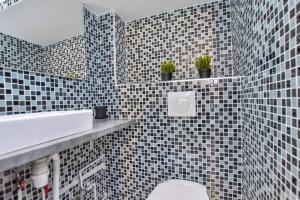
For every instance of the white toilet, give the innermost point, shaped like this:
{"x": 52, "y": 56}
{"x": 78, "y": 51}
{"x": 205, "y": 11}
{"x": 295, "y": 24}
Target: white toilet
{"x": 179, "y": 190}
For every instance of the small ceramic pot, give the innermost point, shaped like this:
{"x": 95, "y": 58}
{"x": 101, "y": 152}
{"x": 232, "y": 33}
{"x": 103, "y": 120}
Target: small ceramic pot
{"x": 166, "y": 76}
{"x": 204, "y": 73}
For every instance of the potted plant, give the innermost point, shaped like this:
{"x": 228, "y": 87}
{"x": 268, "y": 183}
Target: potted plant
{"x": 203, "y": 65}
{"x": 167, "y": 68}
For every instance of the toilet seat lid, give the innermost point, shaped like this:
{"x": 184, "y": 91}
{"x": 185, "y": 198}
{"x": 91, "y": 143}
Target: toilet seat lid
{"x": 179, "y": 190}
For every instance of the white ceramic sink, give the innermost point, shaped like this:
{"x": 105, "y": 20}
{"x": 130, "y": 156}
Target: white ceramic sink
{"x": 25, "y": 130}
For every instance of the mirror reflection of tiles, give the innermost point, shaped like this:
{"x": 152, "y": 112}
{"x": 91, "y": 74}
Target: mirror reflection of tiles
{"x": 49, "y": 44}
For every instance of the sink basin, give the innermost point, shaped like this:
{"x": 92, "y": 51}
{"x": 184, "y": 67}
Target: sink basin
{"x": 25, "y": 130}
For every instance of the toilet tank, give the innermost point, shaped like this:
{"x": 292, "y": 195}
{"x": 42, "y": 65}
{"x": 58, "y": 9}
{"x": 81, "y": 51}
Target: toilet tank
{"x": 179, "y": 190}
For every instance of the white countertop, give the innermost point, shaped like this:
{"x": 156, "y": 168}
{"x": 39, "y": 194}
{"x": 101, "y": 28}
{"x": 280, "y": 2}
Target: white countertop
{"x": 26, "y": 155}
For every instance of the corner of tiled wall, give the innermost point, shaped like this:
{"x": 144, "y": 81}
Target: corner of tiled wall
{"x": 266, "y": 49}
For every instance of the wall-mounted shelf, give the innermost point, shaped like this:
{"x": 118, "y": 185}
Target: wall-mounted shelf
{"x": 185, "y": 80}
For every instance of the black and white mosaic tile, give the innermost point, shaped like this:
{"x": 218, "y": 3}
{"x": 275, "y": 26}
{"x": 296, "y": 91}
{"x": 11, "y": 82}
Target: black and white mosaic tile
{"x": 243, "y": 143}
{"x": 25, "y": 92}
{"x": 20, "y": 54}
{"x": 120, "y": 37}
{"x": 66, "y": 58}
{"x": 180, "y": 35}
{"x": 206, "y": 148}
{"x": 266, "y": 49}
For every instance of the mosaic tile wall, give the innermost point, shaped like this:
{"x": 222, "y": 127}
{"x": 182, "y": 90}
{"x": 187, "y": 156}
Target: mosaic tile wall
{"x": 266, "y": 42}
{"x": 180, "y": 35}
{"x": 205, "y": 149}
{"x": 20, "y": 54}
{"x": 25, "y": 92}
{"x": 121, "y": 75}
{"x": 66, "y": 58}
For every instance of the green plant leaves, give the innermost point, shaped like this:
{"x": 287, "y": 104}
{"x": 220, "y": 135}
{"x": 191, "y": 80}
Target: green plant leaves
{"x": 203, "y": 62}
{"x": 168, "y": 66}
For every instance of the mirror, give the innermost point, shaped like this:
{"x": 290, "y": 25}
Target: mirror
{"x": 40, "y": 36}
